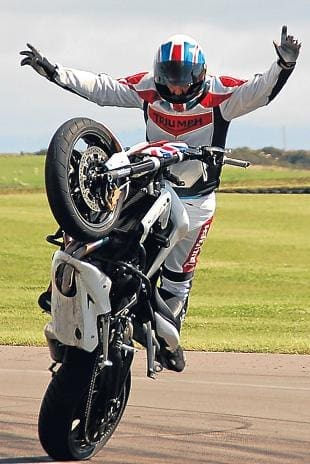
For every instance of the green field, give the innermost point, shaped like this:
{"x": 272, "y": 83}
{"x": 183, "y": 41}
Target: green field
{"x": 263, "y": 176}
{"x": 22, "y": 172}
{"x": 25, "y": 220}
{"x": 27, "y": 173}
{"x": 251, "y": 291}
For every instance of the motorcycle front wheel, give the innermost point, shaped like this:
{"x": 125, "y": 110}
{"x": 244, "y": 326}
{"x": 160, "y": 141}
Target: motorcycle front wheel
{"x": 66, "y": 432}
{"x": 85, "y": 205}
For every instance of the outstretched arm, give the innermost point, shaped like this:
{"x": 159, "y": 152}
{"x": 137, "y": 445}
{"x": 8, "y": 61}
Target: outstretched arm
{"x": 263, "y": 88}
{"x": 98, "y": 88}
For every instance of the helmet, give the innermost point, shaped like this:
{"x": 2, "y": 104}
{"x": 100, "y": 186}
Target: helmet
{"x": 180, "y": 61}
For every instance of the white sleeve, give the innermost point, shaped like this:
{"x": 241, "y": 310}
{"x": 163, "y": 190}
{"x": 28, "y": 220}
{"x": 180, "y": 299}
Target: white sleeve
{"x": 98, "y": 88}
{"x": 253, "y": 94}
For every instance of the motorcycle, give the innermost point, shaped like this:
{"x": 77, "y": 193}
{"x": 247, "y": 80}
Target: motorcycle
{"x": 119, "y": 218}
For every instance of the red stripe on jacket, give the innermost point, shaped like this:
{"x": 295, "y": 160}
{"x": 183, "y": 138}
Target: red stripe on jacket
{"x": 178, "y": 125}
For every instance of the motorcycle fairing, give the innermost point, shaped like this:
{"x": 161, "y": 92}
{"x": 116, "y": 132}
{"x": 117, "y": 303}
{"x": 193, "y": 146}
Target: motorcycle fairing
{"x": 180, "y": 221}
{"x": 160, "y": 210}
{"x": 74, "y": 318}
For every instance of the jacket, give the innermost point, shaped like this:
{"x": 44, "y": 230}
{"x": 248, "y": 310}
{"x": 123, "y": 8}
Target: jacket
{"x": 205, "y": 122}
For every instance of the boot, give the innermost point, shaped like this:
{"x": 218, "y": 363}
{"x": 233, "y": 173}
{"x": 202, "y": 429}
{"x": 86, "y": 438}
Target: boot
{"x": 172, "y": 360}
{"x": 177, "y": 305}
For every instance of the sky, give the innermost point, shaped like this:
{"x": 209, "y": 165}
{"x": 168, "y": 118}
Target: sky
{"x": 121, "y": 38}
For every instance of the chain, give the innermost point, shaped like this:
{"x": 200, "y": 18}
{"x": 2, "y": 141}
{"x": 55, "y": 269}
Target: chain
{"x": 90, "y": 397}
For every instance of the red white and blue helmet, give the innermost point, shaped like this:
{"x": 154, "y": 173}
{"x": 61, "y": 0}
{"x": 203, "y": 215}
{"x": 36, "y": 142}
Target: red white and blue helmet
{"x": 180, "y": 61}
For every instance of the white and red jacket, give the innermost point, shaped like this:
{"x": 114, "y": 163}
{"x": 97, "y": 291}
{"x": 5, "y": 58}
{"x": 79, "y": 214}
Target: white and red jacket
{"x": 206, "y": 123}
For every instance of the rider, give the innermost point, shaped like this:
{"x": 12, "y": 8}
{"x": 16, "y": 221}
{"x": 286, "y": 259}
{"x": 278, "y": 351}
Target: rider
{"x": 181, "y": 101}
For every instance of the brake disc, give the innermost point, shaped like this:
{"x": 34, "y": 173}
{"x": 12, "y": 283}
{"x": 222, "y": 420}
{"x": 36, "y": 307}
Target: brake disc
{"x": 91, "y": 162}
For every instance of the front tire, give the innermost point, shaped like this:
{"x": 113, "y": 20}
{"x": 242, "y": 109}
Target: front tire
{"x": 84, "y": 206}
{"x": 62, "y": 414}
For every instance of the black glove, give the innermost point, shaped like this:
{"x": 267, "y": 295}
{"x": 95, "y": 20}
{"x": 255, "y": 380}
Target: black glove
{"x": 288, "y": 50}
{"x": 38, "y": 62}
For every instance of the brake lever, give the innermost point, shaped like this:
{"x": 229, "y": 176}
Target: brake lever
{"x": 209, "y": 155}
{"x": 212, "y": 159}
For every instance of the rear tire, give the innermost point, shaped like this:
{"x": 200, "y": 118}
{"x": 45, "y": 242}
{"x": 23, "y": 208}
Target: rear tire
{"x": 78, "y": 199}
{"x": 62, "y": 414}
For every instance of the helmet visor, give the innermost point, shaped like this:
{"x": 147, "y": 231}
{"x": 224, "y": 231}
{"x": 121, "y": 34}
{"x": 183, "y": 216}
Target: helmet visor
{"x": 192, "y": 92}
{"x": 180, "y": 73}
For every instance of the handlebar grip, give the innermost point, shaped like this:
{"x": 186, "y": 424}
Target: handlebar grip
{"x": 132, "y": 169}
{"x": 141, "y": 167}
{"x": 236, "y": 162}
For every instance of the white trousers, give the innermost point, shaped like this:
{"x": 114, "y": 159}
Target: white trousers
{"x": 180, "y": 264}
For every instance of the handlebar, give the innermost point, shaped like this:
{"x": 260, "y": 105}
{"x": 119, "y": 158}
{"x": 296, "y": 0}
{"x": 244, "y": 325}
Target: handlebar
{"x": 207, "y": 154}
{"x": 236, "y": 162}
{"x": 213, "y": 152}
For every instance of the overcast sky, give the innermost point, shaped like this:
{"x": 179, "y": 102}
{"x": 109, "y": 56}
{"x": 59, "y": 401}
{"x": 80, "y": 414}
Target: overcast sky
{"x": 121, "y": 38}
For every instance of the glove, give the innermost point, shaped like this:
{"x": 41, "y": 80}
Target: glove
{"x": 288, "y": 50}
{"x": 164, "y": 149}
{"x": 38, "y": 62}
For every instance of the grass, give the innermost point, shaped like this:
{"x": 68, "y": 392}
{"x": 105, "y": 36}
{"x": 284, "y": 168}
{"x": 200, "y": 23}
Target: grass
{"x": 21, "y": 172}
{"x": 264, "y": 176}
{"x": 25, "y": 257}
{"x": 251, "y": 288}
{"x": 251, "y": 291}
{"x": 27, "y": 173}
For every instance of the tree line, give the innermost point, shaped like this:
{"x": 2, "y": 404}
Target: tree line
{"x": 297, "y": 159}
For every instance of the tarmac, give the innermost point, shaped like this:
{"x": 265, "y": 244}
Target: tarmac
{"x": 225, "y": 408}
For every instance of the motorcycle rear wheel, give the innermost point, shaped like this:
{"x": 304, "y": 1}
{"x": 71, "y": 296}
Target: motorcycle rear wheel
{"x": 84, "y": 206}
{"x": 62, "y": 414}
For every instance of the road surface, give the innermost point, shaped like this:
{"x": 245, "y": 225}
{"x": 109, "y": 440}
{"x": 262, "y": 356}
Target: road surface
{"x": 225, "y": 408}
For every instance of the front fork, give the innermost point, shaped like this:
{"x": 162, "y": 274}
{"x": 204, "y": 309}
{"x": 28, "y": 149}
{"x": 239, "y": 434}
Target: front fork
{"x": 104, "y": 335}
{"x": 118, "y": 356}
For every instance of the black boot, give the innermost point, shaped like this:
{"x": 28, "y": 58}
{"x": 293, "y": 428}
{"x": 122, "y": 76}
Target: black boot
{"x": 172, "y": 360}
